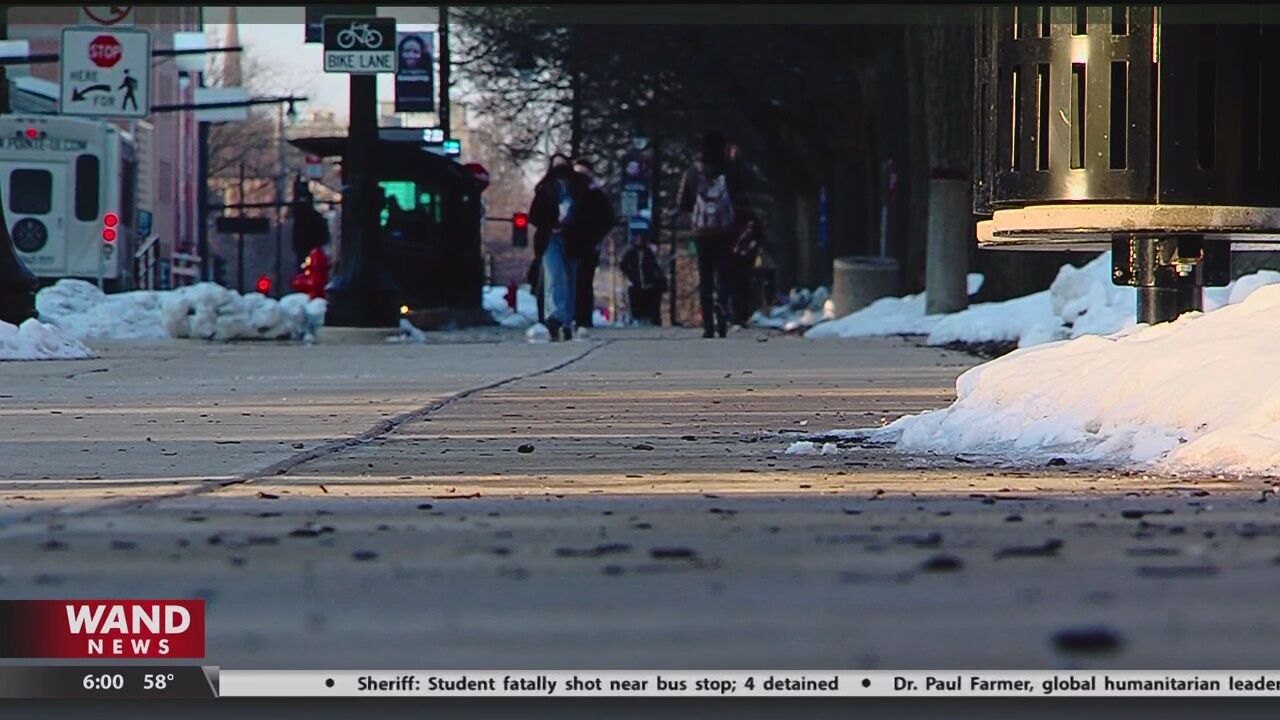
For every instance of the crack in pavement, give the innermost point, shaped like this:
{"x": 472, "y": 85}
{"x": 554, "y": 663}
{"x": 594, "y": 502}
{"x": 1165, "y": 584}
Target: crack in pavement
{"x": 382, "y": 428}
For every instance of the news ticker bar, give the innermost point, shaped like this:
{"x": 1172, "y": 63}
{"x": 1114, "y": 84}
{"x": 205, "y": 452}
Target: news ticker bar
{"x": 200, "y": 682}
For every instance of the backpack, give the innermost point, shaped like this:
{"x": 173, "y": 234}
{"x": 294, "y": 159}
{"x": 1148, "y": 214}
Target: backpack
{"x": 712, "y": 209}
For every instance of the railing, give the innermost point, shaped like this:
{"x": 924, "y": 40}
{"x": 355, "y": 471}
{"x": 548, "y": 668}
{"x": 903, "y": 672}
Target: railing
{"x": 186, "y": 269}
{"x": 146, "y": 264}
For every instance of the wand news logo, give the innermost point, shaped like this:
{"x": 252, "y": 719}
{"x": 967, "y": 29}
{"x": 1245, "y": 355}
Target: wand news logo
{"x": 102, "y": 628}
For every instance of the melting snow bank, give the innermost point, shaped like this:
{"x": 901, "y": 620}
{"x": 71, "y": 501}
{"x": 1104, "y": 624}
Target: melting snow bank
{"x": 889, "y": 316}
{"x": 1081, "y": 301}
{"x": 1201, "y": 394}
{"x": 525, "y": 314}
{"x": 206, "y": 310}
{"x": 34, "y": 340}
{"x": 803, "y": 309}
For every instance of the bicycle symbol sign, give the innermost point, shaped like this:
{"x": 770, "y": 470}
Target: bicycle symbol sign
{"x": 359, "y": 45}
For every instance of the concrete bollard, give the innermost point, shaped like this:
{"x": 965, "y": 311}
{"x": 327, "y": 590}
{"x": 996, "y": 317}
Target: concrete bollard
{"x": 950, "y": 238}
{"x": 859, "y": 281}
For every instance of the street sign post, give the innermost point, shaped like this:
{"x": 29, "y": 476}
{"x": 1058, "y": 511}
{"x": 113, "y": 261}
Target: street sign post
{"x": 315, "y": 15}
{"x": 105, "y": 73}
{"x": 359, "y": 45}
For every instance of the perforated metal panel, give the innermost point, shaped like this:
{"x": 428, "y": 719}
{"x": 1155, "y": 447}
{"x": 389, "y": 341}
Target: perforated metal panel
{"x": 1125, "y": 104}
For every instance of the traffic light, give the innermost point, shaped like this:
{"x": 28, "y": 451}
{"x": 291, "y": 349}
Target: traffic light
{"x": 520, "y": 230}
{"x": 219, "y": 269}
{"x": 263, "y": 285}
{"x": 109, "y": 223}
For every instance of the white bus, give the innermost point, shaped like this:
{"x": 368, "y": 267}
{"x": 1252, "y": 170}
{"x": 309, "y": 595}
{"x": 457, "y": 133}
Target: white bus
{"x": 63, "y": 180}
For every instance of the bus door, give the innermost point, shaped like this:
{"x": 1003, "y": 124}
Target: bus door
{"x": 35, "y": 205}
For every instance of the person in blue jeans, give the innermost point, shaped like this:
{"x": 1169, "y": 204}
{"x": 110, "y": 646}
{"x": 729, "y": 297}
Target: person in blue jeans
{"x": 552, "y": 214}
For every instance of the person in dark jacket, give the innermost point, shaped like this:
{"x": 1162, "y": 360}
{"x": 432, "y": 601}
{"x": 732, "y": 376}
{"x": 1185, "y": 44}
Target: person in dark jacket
{"x": 748, "y": 236}
{"x": 558, "y": 213}
{"x": 310, "y": 231}
{"x": 595, "y": 221}
{"x": 640, "y": 266}
{"x": 542, "y": 232}
{"x": 705, "y": 195}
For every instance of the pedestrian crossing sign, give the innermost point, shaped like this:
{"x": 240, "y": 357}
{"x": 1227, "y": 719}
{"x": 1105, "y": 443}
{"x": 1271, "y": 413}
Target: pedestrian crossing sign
{"x": 106, "y": 72}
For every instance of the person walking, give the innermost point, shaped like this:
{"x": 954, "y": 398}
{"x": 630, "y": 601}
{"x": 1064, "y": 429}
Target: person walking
{"x": 704, "y": 195}
{"x": 745, "y": 251}
{"x": 310, "y": 231}
{"x": 542, "y": 234}
{"x": 647, "y": 282}
{"x": 594, "y": 223}
{"x": 557, "y": 205}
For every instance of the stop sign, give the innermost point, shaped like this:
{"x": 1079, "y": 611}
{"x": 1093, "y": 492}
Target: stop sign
{"x": 479, "y": 172}
{"x": 105, "y": 51}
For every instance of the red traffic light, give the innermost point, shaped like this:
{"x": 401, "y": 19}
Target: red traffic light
{"x": 108, "y": 235}
{"x": 520, "y": 221}
{"x": 264, "y": 284}
{"x": 110, "y": 219}
{"x": 32, "y": 133}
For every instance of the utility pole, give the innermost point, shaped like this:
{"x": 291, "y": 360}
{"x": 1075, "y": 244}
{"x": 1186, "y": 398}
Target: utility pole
{"x": 202, "y": 201}
{"x": 240, "y": 239}
{"x": 575, "y": 89}
{"x": 443, "y": 32}
{"x": 281, "y": 171}
{"x": 17, "y": 284}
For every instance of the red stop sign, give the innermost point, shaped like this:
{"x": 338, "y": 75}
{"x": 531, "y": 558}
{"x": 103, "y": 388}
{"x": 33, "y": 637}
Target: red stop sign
{"x": 479, "y": 172}
{"x": 105, "y": 51}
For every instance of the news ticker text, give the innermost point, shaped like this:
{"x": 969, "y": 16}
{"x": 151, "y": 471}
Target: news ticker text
{"x": 198, "y": 682}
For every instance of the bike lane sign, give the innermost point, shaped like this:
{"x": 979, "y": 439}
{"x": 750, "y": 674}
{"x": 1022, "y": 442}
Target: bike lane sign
{"x": 106, "y": 72}
{"x": 359, "y": 45}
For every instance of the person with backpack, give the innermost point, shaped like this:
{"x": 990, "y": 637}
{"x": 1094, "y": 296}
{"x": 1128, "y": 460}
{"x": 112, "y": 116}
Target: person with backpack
{"x": 704, "y": 195}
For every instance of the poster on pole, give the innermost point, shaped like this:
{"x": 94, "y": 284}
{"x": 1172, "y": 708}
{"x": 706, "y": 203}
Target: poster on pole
{"x": 105, "y": 73}
{"x": 415, "y": 73}
{"x": 635, "y": 201}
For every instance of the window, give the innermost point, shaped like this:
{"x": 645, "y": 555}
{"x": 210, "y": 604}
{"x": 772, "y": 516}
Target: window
{"x": 30, "y": 191}
{"x": 87, "y": 185}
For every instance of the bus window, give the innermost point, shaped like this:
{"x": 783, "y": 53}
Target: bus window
{"x": 30, "y": 191}
{"x": 87, "y": 186}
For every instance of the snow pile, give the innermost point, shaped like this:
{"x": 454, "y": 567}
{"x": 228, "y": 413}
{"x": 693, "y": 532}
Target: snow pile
{"x": 889, "y": 316}
{"x": 212, "y": 312}
{"x": 525, "y": 314}
{"x": 34, "y": 340}
{"x": 803, "y": 309}
{"x": 407, "y": 333}
{"x": 1201, "y": 393}
{"x": 1081, "y": 301}
{"x": 85, "y": 312}
{"x": 807, "y": 447}
{"x": 206, "y": 310}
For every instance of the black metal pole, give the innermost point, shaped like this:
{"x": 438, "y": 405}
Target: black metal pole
{"x": 1169, "y": 273}
{"x": 361, "y": 295}
{"x": 575, "y": 106}
{"x": 444, "y": 70}
{"x": 17, "y": 284}
{"x": 240, "y": 242}
{"x": 202, "y": 200}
